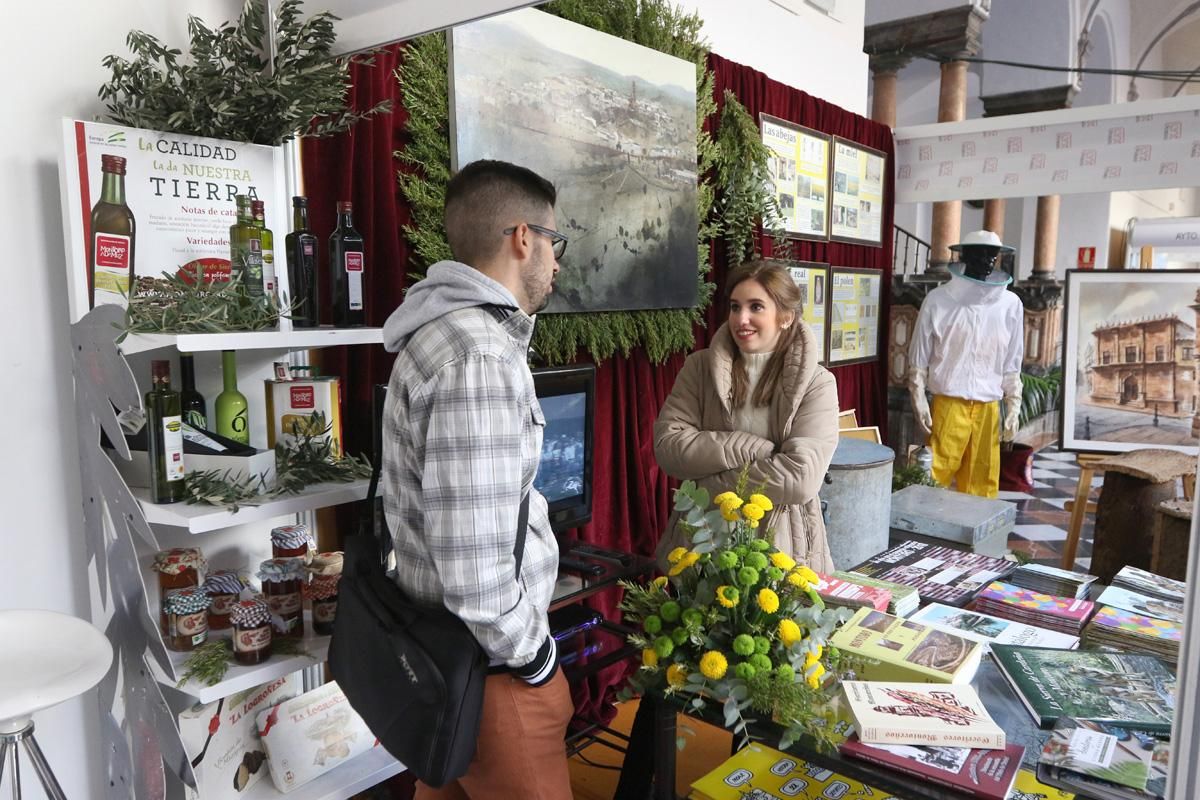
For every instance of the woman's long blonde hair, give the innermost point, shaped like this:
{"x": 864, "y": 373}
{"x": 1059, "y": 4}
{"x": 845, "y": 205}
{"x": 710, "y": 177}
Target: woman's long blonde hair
{"x": 774, "y": 277}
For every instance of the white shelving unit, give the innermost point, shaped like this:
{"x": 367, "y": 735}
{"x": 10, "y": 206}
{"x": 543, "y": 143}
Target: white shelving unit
{"x": 205, "y": 519}
{"x": 346, "y": 780}
{"x": 298, "y": 339}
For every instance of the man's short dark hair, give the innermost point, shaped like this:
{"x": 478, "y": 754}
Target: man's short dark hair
{"x": 485, "y": 197}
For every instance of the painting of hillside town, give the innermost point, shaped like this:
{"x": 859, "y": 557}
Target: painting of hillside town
{"x": 613, "y": 125}
{"x": 1130, "y": 372}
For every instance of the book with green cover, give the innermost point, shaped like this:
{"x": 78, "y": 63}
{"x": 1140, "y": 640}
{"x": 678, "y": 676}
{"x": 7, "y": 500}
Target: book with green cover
{"x": 1134, "y": 691}
{"x": 889, "y": 648}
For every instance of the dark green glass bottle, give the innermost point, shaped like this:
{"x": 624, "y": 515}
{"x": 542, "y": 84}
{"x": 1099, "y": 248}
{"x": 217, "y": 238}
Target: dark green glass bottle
{"x": 164, "y": 423}
{"x": 245, "y": 249}
{"x": 195, "y": 412}
{"x": 258, "y": 210}
{"x": 302, "y": 266}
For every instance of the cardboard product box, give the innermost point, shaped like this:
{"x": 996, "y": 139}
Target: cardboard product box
{"x": 202, "y": 451}
{"x": 310, "y": 735}
{"x": 223, "y": 736}
{"x": 292, "y": 403}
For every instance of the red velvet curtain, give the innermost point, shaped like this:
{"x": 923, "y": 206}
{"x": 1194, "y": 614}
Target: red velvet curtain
{"x": 631, "y": 496}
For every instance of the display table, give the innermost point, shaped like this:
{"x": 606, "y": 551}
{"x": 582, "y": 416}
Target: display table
{"x": 1004, "y": 706}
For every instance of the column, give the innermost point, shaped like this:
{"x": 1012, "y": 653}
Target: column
{"x": 947, "y": 215}
{"x": 884, "y": 72}
{"x": 1045, "y": 237}
{"x": 993, "y": 216}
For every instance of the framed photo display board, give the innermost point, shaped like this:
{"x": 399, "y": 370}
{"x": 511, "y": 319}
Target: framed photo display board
{"x": 856, "y": 213}
{"x": 813, "y": 280}
{"x": 800, "y": 171}
{"x": 1129, "y": 360}
{"x": 854, "y": 315}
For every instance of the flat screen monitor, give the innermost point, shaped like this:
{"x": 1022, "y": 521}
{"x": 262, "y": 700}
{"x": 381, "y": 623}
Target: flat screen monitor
{"x": 564, "y": 477}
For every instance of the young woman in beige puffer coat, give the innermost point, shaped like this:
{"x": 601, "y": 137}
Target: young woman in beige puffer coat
{"x": 757, "y": 396}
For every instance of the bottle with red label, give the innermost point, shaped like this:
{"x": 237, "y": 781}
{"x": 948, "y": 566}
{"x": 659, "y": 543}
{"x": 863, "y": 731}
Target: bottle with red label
{"x": 347, "y": 266}
{"x": 110, "y": 258}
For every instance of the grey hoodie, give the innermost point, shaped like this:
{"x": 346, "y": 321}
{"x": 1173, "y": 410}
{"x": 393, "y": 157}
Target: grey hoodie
{"x": 462, "y": 438}
{"x": 448, "y": 286}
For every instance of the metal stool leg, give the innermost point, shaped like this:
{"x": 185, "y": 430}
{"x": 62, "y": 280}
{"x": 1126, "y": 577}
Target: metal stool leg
{"x": 45, "y": 774}
{"x": 16, "y": 769}
{"x": 3, "y": 759}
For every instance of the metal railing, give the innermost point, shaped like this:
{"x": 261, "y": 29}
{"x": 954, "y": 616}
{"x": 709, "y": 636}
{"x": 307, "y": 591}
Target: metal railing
{"x": 910, "y": 254}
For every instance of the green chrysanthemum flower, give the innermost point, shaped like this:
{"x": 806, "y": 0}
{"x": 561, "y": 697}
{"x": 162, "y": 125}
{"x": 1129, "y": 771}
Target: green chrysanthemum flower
{"x": 762, "y": 645}
{"x": 652, "y": 624}
{"x": 747, "y": 576}
{"x": 756, "y": 560}
{"x": 745, "y": 671}
{"x": 669, "y": 611}
{"x": 664, "y": 646}
{"x": 727, "y": 559}
{"x": 743, "y": 644}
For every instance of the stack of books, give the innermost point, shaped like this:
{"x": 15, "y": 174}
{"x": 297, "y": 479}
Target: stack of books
{"x": 1138, "y": 580}
{"x": 1063, "y": 614}
{"x": 904, "y": 599}
{"x": 921, "y": 714}
{"x": 1052, "y": 580}
{"x": 987, "y": 774}
{"x": 1126, "y": 631}
{"x": 1104, "y": 761}
{"x": 939, "y": 574}
{"x": 988, "y": 629}
{"x": 889, "y": 648}
{"x": 845, "y": 594}
{"x": 1128, "y": 690}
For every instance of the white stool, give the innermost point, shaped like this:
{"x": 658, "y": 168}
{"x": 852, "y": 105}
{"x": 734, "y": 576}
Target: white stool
{"x": 47, "y": 658}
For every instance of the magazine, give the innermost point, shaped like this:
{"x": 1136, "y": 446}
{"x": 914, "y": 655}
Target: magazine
{"x": 941, "y": 574}
{"x": 988, "y": 629}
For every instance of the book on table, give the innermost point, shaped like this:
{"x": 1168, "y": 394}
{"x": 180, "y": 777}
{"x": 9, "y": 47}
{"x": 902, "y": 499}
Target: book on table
{"x": 1052, "y": 580}
{"x": 987, "y": 774}
{"x": 1028, "y": 787}
{"x": 757, "y": 771}
{"x": 1144, "y": 604}
{"x": 1143, "y": 582}
{"x": 945, "y": 715}
{"x": 1130, "y": 690}
{"x": 1128, "y": 631}
{"x": 1065, "y": 614}
{"x": 897, "y": 649}
{"x": 939, "y": 574}
{"x": 988, "y": 629}
{"x": 1105, "y": 762}
{"x": 848, "y": 594}
{"x": 904, "y": 598}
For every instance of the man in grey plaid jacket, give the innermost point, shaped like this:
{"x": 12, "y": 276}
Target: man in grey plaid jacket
{"x": 462, "y": 438}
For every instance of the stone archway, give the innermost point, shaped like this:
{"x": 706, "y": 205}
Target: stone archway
{"x": 1129, "y": 390}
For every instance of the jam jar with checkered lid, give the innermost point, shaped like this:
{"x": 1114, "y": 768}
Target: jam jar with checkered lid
{"x": 326, "y": 573}
{"x": 251, "y": 631}
{"x": 290, "y": 541}
{"x": 225, "y": 588}
{"x": 187, "y": 619}
{"x": 177, "y": 568}
{"x": 283, "y": 582}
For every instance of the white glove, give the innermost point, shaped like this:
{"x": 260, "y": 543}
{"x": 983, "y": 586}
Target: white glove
{"x": 920, "y": 404}
{"x": 1013, "y": 389}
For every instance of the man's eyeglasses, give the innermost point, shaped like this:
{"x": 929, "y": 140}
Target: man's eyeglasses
{"x": 557, "y": 240}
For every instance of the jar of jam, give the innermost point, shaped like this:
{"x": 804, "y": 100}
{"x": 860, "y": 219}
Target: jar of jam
{"x": 177, "y": 568}
{"x": 326, "y": 572}
{"x": 251, "y": 631}
{"x": 283, "y": 589}
{"x": 290, "y": 541}
{"x": 224, "y": 587}
{"x": 187, "y": 619}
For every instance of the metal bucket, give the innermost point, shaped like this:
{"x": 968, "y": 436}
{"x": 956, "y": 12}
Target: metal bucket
{"x": 859, "y": 498}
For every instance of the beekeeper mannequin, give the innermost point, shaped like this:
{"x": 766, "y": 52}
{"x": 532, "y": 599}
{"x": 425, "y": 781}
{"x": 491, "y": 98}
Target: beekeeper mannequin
{"x": 967, "y": 350}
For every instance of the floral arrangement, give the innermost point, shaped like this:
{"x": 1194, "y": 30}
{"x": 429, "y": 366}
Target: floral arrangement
{"x": 736, "y": 621}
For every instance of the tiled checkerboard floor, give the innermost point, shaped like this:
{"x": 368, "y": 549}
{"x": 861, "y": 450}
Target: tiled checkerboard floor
{"x": 1041, "y": 530}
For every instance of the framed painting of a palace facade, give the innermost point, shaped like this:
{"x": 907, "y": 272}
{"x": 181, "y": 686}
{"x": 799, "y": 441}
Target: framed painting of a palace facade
{"x": 1130, "y": 361}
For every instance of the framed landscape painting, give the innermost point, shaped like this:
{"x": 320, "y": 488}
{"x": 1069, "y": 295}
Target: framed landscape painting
{"x": 613, "y": 125}
{"x": 1129, "y": 360}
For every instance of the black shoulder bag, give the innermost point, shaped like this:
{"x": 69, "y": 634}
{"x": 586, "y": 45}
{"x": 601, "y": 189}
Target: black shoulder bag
{"x": 414, "y": 674}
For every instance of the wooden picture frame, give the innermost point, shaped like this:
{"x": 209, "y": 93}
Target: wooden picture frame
{"x": 860, "y": 172}
{"x": 846, "y": 316}
{"x": 813, "y": 279}
{"x": 803, "y": 156}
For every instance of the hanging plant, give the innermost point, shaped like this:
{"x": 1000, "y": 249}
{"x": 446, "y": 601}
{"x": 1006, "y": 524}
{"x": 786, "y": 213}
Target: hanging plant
{"x": 656, "y": 24}
{"x": 230, "y": 88}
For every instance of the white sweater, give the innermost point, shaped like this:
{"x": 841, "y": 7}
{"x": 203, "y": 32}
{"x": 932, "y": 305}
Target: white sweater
{"x": 751, "y": 418}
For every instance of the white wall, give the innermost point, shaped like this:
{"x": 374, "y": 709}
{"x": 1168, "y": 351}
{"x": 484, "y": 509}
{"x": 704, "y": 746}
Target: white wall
{"x": 51, "y": 63}
{"x": 808, "y": 50}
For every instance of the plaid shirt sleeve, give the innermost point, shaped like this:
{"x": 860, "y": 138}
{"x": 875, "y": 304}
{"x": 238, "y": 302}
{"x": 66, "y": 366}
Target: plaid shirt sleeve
{"x": 472, "y": 484}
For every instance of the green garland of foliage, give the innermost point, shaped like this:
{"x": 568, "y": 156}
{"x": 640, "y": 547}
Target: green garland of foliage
{"x": 231, "y": 89}
{"x": 657, "y": 24}
{"x": 743, "y": 172}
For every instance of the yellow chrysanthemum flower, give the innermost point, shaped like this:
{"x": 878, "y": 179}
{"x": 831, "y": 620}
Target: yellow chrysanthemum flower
{"x": 727, "y": 596}
{"x": 808, "y": 575}
{"x": 753, "y": 512}
{"x": 677, "y": 675}
{"x": 649, "y": 657}
{"x": 768, "y": 601}
{"x": 812, "y": 658}
{"x": 688, "y": 560}
{"x": 659, "y": 583}
{"x": 789, "y": 632}
{"x": 814, "y": 680}
{"x": 729, "y": 509}
{"x": 722, "y": 497}
{"x": 676, "y": 554}
{"x": 762, "y": 501}
{"x": 796, "y": 579}
{"x": 713, "y": 665}
{"x": 782, "y": 560}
